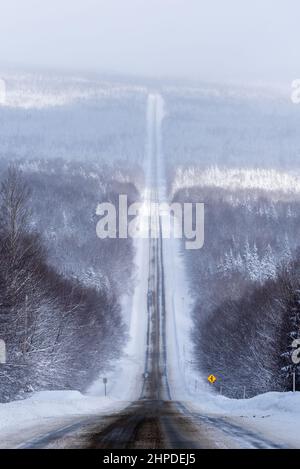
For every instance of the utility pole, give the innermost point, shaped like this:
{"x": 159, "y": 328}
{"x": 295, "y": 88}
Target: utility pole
{"x": 294, "y": 381}
{"x": 244, "y": 393}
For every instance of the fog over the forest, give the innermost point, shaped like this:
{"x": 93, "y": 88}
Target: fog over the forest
{"x": 252, "y": 40}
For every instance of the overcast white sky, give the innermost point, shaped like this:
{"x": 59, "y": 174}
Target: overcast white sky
{"x": 208, "y": 39}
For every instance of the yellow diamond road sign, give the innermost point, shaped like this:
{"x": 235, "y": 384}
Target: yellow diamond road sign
{"x": 212, "y": 379}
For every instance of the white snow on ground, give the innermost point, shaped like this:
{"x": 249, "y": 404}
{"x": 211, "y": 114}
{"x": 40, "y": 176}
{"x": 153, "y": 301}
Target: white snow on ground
{"x": 125, "y": 380}
{"x": 274, "y": 415}
{"x": 47, "y": 411}
{"x": 182, "y": 376}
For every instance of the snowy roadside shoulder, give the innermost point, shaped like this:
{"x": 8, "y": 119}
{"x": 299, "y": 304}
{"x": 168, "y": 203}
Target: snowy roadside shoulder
{"x": 47, "y": 411}
{"x": 275, "y": 415}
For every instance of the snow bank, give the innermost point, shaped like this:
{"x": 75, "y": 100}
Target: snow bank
{"x": 274, "y": 415}
{"x": 273, "y": 402}
{"x": 182, "y": 375}
{"x": 45, "y": 411}
{"x": 268, "y": 402}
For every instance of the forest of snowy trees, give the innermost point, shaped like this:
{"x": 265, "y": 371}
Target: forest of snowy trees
{"x": 230, "y": 127}
{"x": 243, "y": 282}
{"x": 66, "y": 145}
{"x": 239, "y": 155}
{"x": 60, "y": 312}
{"x": 248, "y": 341}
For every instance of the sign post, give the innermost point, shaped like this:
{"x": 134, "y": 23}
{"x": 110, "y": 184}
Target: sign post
{"x": 104, "y": 382}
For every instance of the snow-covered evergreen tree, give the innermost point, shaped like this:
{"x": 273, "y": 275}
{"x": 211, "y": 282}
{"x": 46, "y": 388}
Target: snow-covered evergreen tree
{"x": 268, "y": 264}
{"x": 286, "y": 255}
